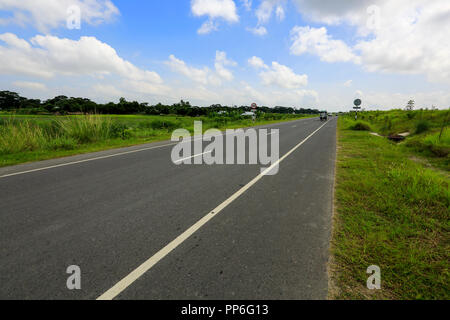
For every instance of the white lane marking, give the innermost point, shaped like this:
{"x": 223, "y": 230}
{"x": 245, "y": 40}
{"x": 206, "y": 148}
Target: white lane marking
{"x": 147, "y": 265}
{"x": 85, "y": 160}
{"x": 104, "y": 157}
{"x": 195, "y": 156}
{"x": 93, "y": 159}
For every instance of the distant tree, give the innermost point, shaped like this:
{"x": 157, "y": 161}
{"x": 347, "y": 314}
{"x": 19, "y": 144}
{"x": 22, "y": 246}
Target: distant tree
{"x": 410, "y": 105}
{"x": 10, "y": 100}
{"x": 63, "y": 105}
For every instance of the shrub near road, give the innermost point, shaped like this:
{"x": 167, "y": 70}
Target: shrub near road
{"x": 391, "y": 212}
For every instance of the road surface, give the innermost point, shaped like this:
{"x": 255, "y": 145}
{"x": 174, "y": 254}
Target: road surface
{"x": 115, "y": 211}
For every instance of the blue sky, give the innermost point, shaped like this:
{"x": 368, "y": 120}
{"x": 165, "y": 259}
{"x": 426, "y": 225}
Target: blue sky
{"x": 307, "y": 53}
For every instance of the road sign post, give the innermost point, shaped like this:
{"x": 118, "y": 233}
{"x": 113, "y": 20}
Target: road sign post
{"x": 254, "y": 107}
{"x": 357, "y": 107}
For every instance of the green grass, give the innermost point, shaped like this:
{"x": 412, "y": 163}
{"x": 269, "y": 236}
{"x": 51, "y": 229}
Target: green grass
{"x": 391, "y": 212}
{"x": 399, "y": 121}
{"x": 360, "y": 126}
{"x": 26, "y": 138}
{"x": 425, "y": 128}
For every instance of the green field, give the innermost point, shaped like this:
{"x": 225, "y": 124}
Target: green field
{"x": 25, "y": 138}
{"x": 390, "y": 209}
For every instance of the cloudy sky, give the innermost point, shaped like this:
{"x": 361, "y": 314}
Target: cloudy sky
{"x": 303, "y": 53}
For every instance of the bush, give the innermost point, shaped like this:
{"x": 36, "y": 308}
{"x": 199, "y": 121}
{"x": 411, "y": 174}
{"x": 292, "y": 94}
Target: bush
{"x": 439, "y": 147}
{"x": 360, "y": 126}
{"x": 431, "y": 144}
{"x": 22, "y": 136}
{"x": 119, "y": 130}
{"x": 387, "y": 125}
{"x": 61, "y": 143}
{"x": 411, "y": 115}
{"x": 164, "y": 124}
{"x": 422, "y": 126}
{"x": 87, "y": 129}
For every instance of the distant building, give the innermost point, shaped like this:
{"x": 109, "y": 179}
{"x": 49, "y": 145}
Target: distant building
{"x": 247, "y": 114}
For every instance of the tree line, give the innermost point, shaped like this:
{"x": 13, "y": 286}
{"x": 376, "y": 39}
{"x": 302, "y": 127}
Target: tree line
{"x": 12, "y": 101}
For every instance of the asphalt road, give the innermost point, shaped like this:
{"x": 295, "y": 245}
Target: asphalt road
{"x": 111, "y": 211}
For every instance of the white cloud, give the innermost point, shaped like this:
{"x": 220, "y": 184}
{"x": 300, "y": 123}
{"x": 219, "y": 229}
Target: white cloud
{"x": 259, "y": 31}
{"x": 225, "y": 9}
{"x": 214, "y": 9}
{"x": 49, "y": 56}
{"x": 278, "y": 75}
{"x": 280, "y": 13}
{"x": 247, "y": 4}
{"x": 348, "y": 83}
{"x": 196, "y": 74}
{"x": 264, "y": 13}
{"x": 221, "y": 62}
{"x": 208, "y": 27}
{"x": 317, "y": 41}
{"x": 402, "y": 36}
{"x": 283, "y": 76}
{"x": 145, "y": 87}
{"x": 108, "y": 90}
{"x": 257, "y": 63}
{"x": 279, "y": 97}
{"x": 205, "y": 75}
{"x": 50, "y": 14}
{"x": 415, "y": 40}
{"x": 359, "y": 94}
{"x": 30, "y": 85}
{"x": 266, "y": 9}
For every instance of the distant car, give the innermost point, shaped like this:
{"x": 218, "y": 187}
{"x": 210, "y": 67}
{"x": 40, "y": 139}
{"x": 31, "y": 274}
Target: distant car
{"x": 323, "y": 116}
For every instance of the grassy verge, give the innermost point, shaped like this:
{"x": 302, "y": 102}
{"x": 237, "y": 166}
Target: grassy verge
{"x": 429, "y": 132}
{"x": 33, "y": 138}
{"x": 391, "y": 212}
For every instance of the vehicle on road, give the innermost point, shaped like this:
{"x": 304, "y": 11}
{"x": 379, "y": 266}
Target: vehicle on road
{"x": 323, "y": 116}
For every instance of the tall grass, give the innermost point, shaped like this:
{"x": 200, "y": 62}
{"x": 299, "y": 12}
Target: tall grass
{"x": 67, "y": 133}
{"x": 422, "y": 126}
{"x": 87, "y": 129}
{"x": 439, "y": 145}
{"x": 20, "y": 136}
{"x": 360, "y": 126}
